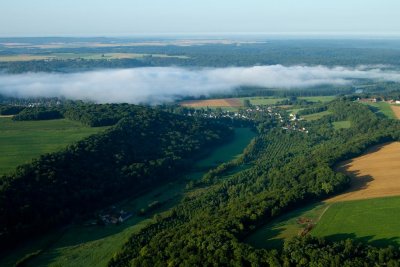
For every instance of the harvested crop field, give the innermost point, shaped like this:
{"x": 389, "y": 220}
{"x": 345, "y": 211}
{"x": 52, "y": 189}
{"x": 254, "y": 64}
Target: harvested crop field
{"x": 374, "y": 174}
{"x": 396, "y": 111}
{"x": 224, "y": 102}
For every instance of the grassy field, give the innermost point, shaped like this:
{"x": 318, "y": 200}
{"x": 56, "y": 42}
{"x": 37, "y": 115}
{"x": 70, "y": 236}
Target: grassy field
{"x": 93, "y": 56}
{"x": 372, "y": 220}
{"x": 83, "y": 245}
{"x": 316, "y": 116}
{"x": 341, "y": 125}
{"x": 21, "y": 141}
{"x": 273, "y": 234}
{"x": 262, "y": 100}
{"x": 384, "y": 109}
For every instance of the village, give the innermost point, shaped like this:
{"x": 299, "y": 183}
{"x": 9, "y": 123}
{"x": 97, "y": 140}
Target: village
{"x": 277, "y": 114}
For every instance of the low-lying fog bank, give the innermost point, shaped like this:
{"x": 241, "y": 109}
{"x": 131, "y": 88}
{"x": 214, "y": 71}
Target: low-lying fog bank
{"x": 155, "y": 85}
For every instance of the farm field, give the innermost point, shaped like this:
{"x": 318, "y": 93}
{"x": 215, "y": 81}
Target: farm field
{"x": 223, "y": 102}
{"x": 396, "y": 111}
{"x": 315, "y": 116}
{"x": 65, "y": 56}
{"x": 273, "y": 234}
{"x": 371, "y": 199}
{"x": 383, "y": 108}
{"x": 95, "y": 245}
{"x": 371, "y": 220}
{"x": 374, "y": 174}
{"x": 22, "y": 141}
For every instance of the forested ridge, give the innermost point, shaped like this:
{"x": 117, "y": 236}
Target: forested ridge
{"x": 146, "y": 147}
{"x": 288, "y": 170}
{"x": 89, "y": 114}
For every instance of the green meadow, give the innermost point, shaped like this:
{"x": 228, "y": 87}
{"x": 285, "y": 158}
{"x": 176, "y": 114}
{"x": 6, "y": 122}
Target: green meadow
{"x": 383, "y": 109}
{"x": 22, "y": 141}
{"x": 316, "y": 116}
{"x": 318, "y": 98}
{"x": 374, "y": 221}
{"x": 341, "y": 125}
{"x": 273, "y": 234}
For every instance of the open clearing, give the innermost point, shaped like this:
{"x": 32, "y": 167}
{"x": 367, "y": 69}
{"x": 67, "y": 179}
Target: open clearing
{"x": 316, "y": 116}
{"x": 341, "y": 125}
{"x": 22, "y": 141}
{"x": 396, "y": 111}
{"x": 365, "y": 212}
{"x": 95, "y": 245}
{"x": 223, "y": 102}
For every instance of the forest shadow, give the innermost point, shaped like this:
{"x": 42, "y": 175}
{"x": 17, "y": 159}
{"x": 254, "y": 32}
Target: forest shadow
{"x": 383, "y": 242}
{"x": 273, "y": 234}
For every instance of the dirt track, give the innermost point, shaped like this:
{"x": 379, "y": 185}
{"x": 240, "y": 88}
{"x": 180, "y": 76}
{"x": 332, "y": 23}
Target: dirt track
{"x": 396, "y": 111}
{"x": 224, "y": 102}
{"x": 375, "y": 174}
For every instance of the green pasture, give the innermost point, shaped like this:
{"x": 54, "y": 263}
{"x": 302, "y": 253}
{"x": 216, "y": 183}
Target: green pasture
{"x": 383, "y": 109}
{"x": 316, "y": 116}
{"x": 373, "y": 221}
{"x": 22, "y": 141}
{"x": 341, "y": 125}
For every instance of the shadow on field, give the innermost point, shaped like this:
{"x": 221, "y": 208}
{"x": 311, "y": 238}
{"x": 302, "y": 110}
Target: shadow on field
{"x": 383, "y": 242}
{"x": 357, "y": 184}
{"x": 273, "y": 234}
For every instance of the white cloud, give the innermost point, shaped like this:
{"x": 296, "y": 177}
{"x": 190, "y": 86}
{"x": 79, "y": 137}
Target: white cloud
{"x": 162, "y": 84}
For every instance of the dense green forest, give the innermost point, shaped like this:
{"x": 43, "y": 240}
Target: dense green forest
{"x": 262, "y": 52}
{"x": 288, "y": 169}
{"x": 144, "y": 148}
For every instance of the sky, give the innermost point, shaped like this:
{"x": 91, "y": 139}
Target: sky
{"x": 137, "y": 17}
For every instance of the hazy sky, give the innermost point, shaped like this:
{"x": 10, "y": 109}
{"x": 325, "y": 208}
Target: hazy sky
{"x": 129, "y": 17}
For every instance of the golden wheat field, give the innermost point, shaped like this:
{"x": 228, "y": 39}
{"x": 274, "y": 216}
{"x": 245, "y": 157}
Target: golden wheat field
{"x": 224, "y": 102}
{"x": 374, "y": 174}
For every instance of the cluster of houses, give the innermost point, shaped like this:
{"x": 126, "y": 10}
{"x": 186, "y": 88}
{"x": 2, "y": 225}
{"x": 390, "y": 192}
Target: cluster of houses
{"x": 249, "y": 113}
{"x": 113, "y": 216}
{"x": 375, "y": 100}
{"x": 255, "y": 113}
